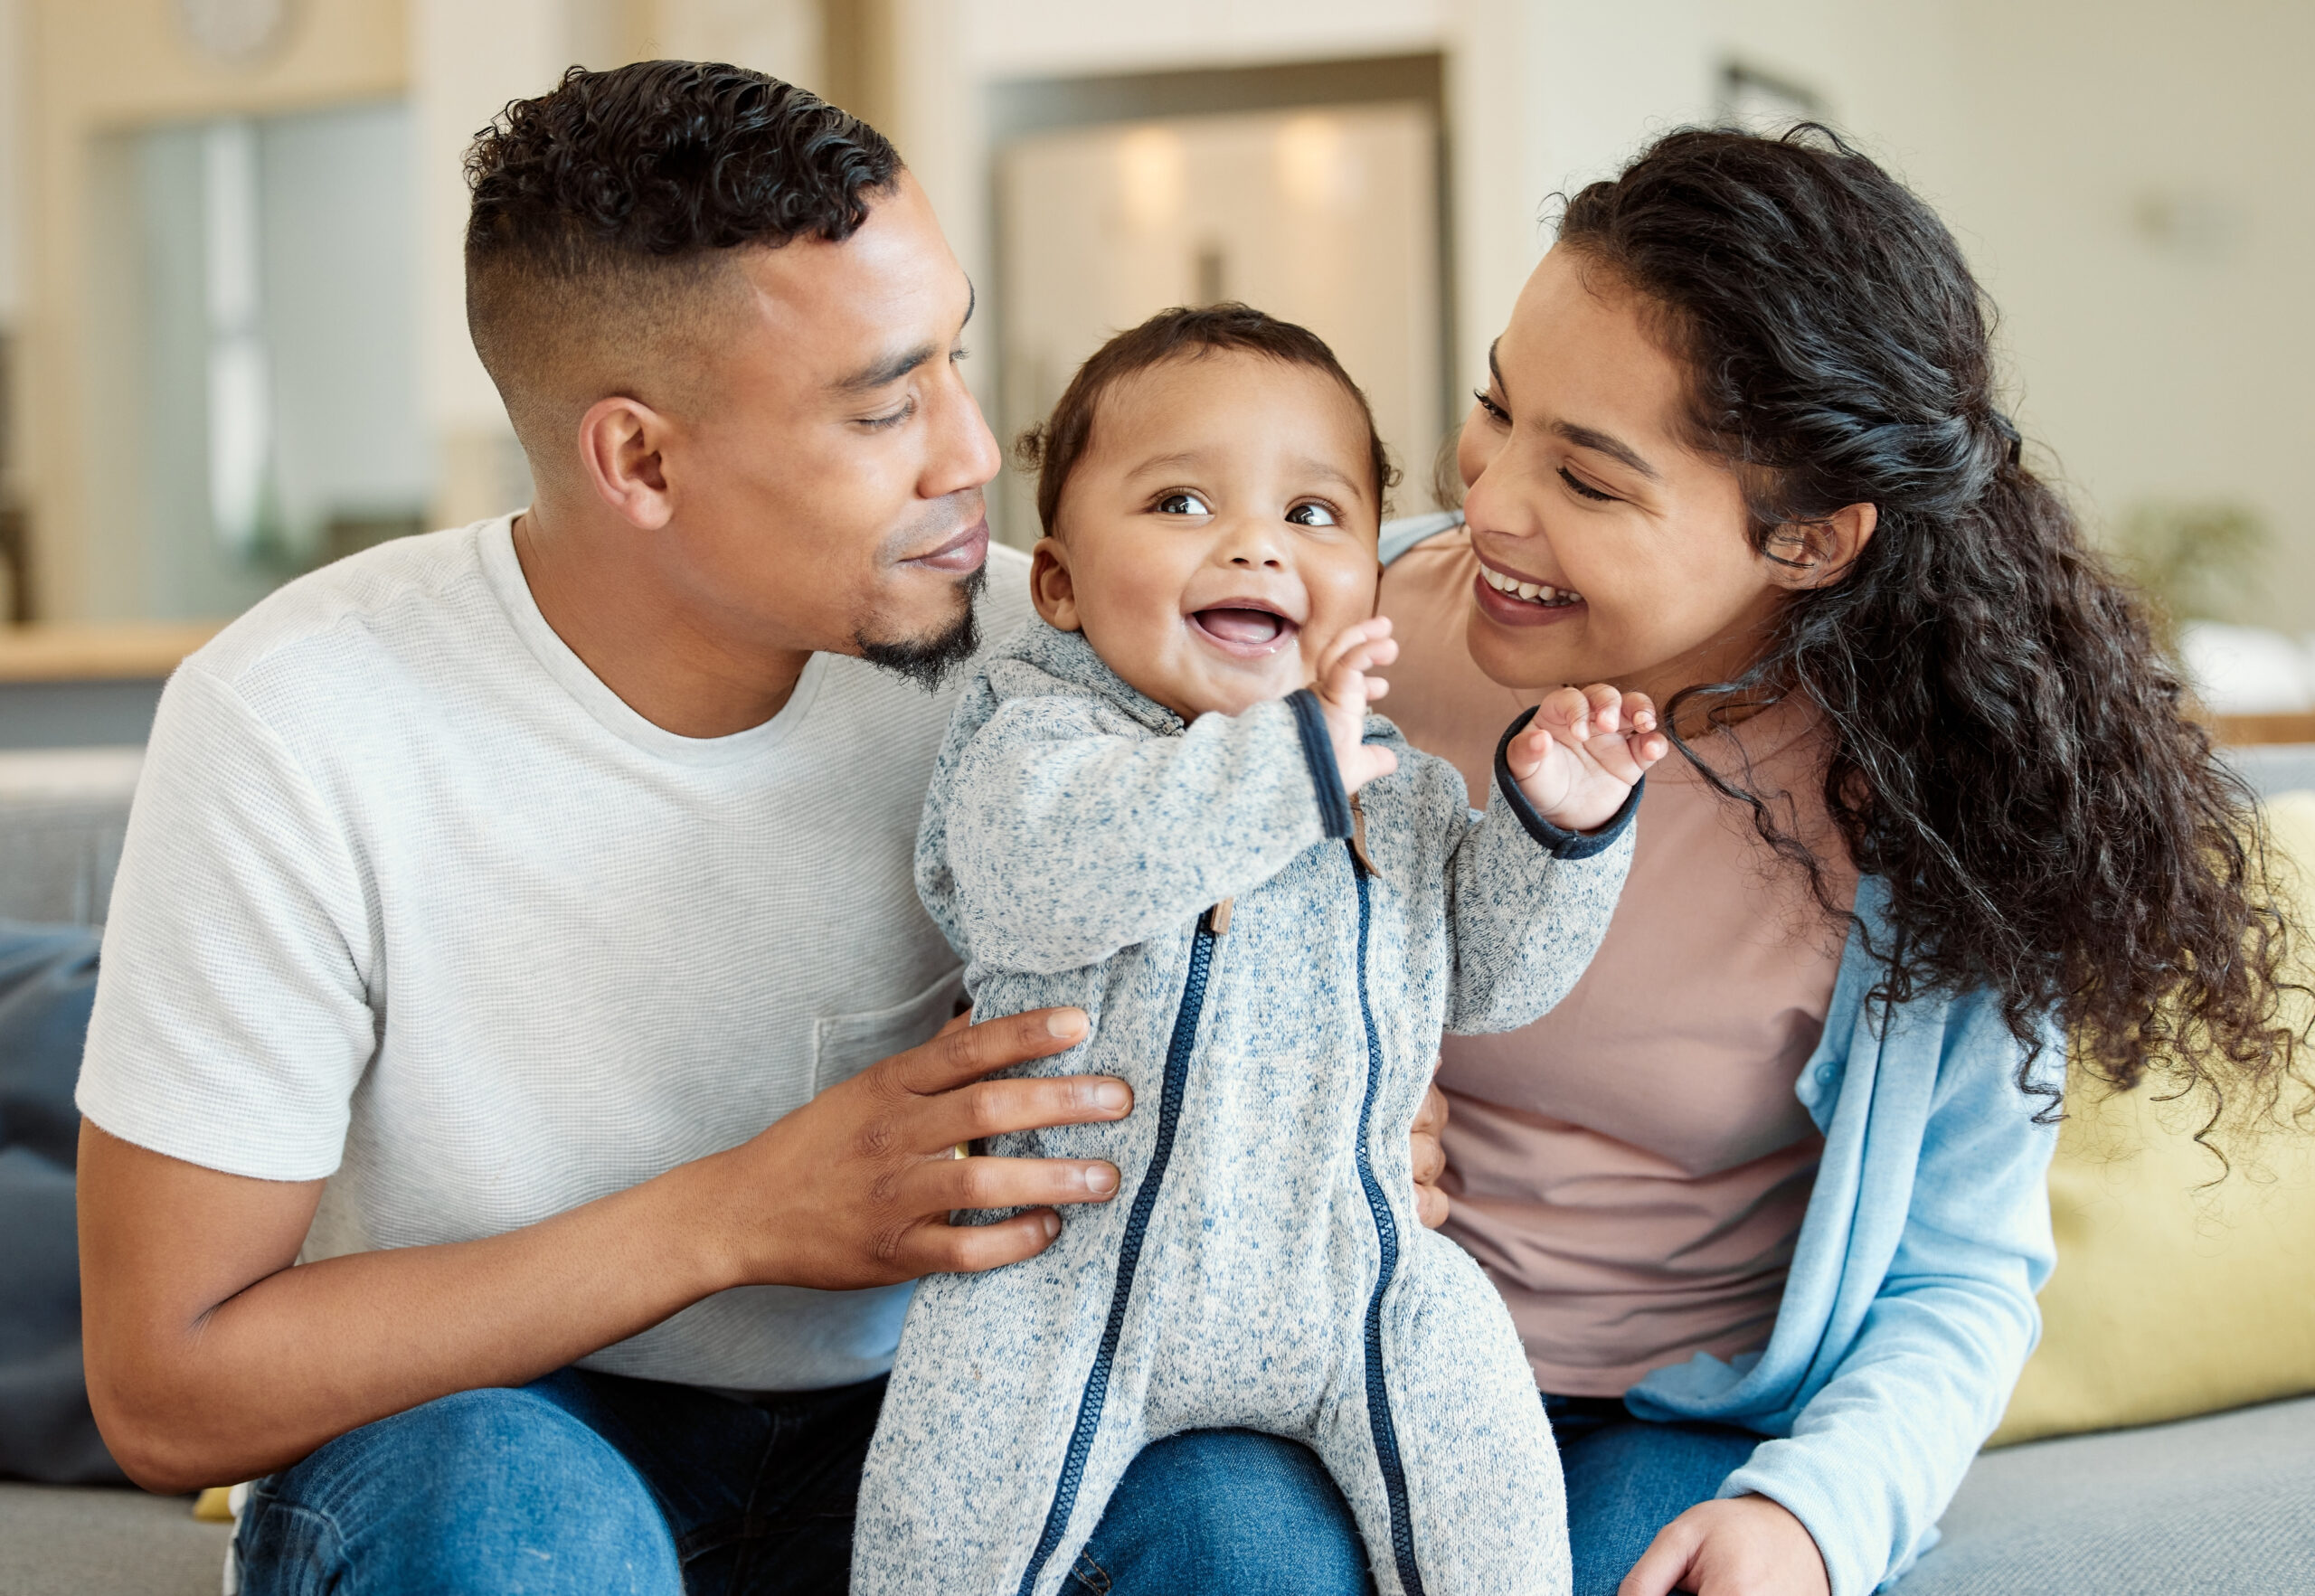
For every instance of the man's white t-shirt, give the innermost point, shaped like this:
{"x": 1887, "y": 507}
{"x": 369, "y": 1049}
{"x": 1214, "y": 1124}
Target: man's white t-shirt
{"x": 411, "y": 902}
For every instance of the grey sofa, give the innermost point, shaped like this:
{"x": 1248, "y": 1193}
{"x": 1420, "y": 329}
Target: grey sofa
{"x": 2222, "y": 1506}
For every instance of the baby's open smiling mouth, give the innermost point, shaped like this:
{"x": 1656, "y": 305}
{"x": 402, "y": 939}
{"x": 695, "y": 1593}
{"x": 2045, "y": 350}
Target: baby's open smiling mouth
{"x": 1244, "y": 628}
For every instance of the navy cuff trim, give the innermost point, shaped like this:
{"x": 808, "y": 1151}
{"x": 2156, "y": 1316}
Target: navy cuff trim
{"x": 1319, "y": 752}
{"x": 1562, "y": 843}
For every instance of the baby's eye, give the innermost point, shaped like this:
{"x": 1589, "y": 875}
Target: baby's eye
{"x": 1312, "y": 516}
{"x": 1183, "y": 504}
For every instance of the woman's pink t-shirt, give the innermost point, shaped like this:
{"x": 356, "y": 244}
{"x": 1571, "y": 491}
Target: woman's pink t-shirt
{"x": 1632, "y": 1168}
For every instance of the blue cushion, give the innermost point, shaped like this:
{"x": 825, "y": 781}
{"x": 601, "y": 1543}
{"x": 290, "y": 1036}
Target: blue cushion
{"x": 48, "y": 979}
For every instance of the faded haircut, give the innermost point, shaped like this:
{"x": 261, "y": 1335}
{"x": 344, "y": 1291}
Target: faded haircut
{"x": 606, "y": 212}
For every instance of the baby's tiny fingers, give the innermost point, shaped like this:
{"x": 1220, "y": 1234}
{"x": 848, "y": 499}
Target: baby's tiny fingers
{"x": 1563, "y": 709}
{"x": 1528, "y": 751}
{"x": 1603, "y": 705}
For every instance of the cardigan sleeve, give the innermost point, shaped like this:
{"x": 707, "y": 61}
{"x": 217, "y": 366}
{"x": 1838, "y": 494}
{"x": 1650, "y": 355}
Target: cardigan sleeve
{"x": 1875, "y": 1454}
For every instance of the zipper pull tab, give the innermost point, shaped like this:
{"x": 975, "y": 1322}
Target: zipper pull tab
{"x": 1217, "y": 919}
{"x": 1359, "y": 838}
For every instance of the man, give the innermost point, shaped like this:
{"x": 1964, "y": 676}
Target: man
{"x": 517, "y": 930}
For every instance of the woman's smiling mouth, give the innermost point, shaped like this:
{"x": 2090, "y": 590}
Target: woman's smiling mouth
{"x": 1529, "y": 592}
{"x": 1244, "y": 628}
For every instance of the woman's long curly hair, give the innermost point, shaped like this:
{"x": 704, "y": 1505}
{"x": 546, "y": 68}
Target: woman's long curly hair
{"x": 2010, "y": 748}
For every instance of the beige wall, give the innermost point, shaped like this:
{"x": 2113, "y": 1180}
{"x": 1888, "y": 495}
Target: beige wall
{"x": 2128, "y": 175}
{"x": 98, "y": 66}
{"x": 2141, "y": 198}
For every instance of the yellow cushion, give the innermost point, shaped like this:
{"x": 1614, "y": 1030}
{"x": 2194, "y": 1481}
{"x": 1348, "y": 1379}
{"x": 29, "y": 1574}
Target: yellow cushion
{"x": 2174, "y": 1297}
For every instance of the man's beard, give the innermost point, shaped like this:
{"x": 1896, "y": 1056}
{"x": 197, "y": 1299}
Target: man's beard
{"x": 927, "y": 661}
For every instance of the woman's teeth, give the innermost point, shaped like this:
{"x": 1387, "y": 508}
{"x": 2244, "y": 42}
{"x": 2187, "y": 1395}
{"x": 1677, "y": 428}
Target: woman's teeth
{"x": 1534, "y": 592}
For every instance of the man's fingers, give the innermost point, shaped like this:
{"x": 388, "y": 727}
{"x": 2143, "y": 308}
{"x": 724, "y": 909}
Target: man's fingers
{"x": 997, "y": 1107}
{"x": 944, "y": 1184}
{"x": 958, "y": 1056}
{"x": 968, "y": 1249}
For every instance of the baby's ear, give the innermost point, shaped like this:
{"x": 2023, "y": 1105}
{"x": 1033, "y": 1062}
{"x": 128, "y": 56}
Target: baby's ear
{"x": 1050, "y": 587}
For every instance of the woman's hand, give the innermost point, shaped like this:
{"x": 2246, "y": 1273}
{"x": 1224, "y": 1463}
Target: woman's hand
{"x": 1742, "y": 1546}
{"x": 1581, "y": 756}
{"x": 1431, "y": 1158}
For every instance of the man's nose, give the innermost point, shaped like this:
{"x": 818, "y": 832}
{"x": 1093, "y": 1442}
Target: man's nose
{"x": 962, "y": 453}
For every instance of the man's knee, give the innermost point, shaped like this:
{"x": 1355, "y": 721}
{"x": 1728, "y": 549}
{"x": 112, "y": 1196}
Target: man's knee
{"x": 1226, "y": 1510}
{"x": 480, "y": 1491}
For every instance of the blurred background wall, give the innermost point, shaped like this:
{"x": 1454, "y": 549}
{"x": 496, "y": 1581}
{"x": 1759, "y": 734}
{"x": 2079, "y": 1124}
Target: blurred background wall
{"x": 229, "y": 283}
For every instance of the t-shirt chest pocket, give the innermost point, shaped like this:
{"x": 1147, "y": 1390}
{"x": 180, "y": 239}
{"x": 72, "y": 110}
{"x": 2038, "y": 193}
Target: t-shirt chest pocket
{"x": 845, "y": 1044}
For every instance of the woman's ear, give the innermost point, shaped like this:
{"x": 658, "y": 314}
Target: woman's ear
{"x": 1050, "y": 587}
{"x": 1819, "y": 553}
{"x": 620, "y": 448}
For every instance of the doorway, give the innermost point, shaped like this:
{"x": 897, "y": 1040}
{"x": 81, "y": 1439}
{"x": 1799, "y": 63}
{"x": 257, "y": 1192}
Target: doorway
{"x": 1313, "y": 192}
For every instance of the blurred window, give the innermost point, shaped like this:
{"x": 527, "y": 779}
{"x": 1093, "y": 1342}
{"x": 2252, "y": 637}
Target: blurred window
{"x": 255, "y": 374}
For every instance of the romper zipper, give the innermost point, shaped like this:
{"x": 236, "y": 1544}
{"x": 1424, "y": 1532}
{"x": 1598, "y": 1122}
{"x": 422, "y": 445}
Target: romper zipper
{"x": 1386, "y": 1231}
{"x": 1210, "y": 928}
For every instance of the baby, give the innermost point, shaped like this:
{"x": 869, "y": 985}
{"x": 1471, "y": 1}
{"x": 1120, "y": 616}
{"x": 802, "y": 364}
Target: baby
{"x": 1270, "y": 905}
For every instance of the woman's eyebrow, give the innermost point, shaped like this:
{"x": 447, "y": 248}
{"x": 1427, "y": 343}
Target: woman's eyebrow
{"x": 1591, "y": 438}
{"x": 1614, "y": 448}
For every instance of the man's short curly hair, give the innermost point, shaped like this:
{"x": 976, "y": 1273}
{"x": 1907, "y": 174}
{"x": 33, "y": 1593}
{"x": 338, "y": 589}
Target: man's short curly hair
{"x": 605, "y": 212}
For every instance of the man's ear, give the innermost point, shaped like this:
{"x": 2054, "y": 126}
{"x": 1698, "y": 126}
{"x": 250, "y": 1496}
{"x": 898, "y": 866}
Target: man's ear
{"x": 1804, "y": 555}
{"x": 1050, "y": 587}
{"x": 621, "y": 442}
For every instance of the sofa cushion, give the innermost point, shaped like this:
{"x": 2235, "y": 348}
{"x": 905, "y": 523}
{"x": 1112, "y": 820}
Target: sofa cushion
{"x": 2221, "y": 1506}
{"x": 2176, "y": 1292}
{"x": 48, "y": 977}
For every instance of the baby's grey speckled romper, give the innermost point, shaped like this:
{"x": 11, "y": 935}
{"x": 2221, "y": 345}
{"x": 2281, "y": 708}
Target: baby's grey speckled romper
{"x": 1273, "y": 976}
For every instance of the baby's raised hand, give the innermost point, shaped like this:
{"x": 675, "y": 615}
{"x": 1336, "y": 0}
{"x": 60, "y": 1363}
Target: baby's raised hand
{"x": 1578, "y": 759}
{"x": 1345, "y": 690}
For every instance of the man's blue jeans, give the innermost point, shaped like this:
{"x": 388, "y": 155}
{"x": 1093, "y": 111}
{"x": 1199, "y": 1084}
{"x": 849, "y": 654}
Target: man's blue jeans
{"x": 598, "y": 1486}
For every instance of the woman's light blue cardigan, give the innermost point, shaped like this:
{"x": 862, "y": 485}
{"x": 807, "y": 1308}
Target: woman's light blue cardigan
{"x": 1908, "y": 1310}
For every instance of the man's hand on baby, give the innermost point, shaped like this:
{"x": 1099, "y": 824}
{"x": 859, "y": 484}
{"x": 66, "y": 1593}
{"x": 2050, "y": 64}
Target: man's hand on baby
{"x": 1345, "y": 690}
{"x": 1579, "y": 759}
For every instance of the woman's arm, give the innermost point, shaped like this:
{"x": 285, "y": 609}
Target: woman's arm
{"x": 1876, "y": 1454}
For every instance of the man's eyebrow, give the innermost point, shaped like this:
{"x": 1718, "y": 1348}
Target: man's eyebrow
{"x": 894, "y": 367}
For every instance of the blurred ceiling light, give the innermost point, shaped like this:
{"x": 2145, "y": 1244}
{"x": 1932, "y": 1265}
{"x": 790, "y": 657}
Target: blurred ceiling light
{"x": 1153, "y": 178}
{"x": 1317, "y": 170}
{"x": 241, "y": 401}
{"x": 234, "y": 32}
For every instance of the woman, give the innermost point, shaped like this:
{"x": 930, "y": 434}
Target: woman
{"x": 1765, "y": 1194}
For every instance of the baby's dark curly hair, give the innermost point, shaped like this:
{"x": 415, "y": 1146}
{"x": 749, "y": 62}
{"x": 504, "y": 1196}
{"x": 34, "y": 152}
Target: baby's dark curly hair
{"x": 603, "y": 209}
{"x": 1052, "y": 449}
{"x": 2010, "y": 748}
